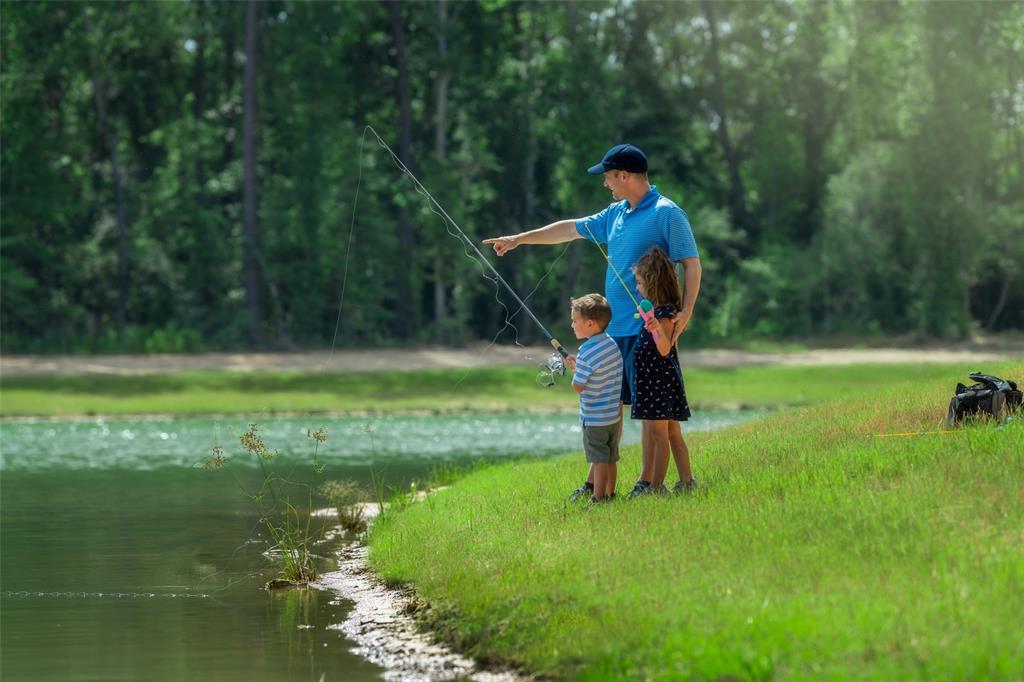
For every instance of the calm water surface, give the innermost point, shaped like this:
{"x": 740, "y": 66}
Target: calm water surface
{"x": 120, "y": 560}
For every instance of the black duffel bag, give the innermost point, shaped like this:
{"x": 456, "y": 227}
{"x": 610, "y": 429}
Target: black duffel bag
{"x": 989, "y": 397}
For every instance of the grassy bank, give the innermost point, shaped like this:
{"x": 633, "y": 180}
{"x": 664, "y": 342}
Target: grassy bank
{"x": 452, "y": 390}
{"x": 811, "y": 551}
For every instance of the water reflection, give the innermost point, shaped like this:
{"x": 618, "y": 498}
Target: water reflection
{"x": 82, "y": 551}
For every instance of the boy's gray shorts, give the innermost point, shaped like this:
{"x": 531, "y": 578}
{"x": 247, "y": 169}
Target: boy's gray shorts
{"x": 601, "y": 443}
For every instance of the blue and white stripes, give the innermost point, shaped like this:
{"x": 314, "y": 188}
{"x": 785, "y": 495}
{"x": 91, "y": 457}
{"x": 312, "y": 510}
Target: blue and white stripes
{"x": 599, "y": 371}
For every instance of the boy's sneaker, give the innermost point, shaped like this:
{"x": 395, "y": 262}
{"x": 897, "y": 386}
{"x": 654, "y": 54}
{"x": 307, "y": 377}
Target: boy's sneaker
{"x": 659, "y": 490}
{"x": 686, "y": 488}
{"x": 584, "y": 493}
{"x": 641, "y": 488}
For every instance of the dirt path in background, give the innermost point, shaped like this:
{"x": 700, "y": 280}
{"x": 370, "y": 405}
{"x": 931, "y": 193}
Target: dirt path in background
{"x": 474, "y": 356}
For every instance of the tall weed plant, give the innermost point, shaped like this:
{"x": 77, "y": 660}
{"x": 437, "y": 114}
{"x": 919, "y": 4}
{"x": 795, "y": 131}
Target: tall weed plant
{"x": 290, "y": 525}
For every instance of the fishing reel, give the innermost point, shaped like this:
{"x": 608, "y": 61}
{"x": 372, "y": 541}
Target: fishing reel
{"x": 550, "y": 368}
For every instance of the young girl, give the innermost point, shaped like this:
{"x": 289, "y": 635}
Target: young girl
{"x": 659, "y": 397}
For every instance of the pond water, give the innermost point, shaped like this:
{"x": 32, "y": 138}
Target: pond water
{"x": 121, "y": 560}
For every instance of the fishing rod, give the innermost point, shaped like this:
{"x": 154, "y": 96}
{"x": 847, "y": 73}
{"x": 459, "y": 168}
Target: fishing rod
{"x": 645, "y": 309}
{"x": 555, "y": 343}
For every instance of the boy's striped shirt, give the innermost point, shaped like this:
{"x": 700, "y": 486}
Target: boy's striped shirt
{"x": 599, "y": 371}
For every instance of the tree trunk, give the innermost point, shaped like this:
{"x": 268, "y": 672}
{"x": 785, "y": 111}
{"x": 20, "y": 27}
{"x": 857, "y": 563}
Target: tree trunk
{"x": 1004, "y": 294}
{"x": 528, "y": 333}
{"x": 404, "y": 322}
{"x": 228, "y": 73}
{"x": 737, "y": 193}
{"x": 814, "y": 139}
{"x": 441, "y": 151}
{"x": 1011, "y": 78}
{"x": 818, "y": 122}
{"x": 572, "y": 26}
{"x": 250, "y": 199}
{"x": 110, "y": 139}
{"x": 529, "y": 103}
{"x": 205, "y": 289}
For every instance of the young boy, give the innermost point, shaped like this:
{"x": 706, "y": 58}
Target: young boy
{"x": 598, "y": 380}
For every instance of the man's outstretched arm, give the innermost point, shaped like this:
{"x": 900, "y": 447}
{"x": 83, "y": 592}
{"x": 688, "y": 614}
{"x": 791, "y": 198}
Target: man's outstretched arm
{"x": 555, "y": 233}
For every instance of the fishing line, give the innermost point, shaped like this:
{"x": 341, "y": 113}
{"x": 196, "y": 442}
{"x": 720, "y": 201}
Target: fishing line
{"x": 546, "y": 377}
{"x": 610, "y": 266}
{"x": 645, "y": 309}
{"x": 470, "y": 249}
{"x": 909, "y": 434}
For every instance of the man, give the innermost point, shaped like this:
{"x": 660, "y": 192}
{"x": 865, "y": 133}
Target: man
{"x": 639, "y": 218}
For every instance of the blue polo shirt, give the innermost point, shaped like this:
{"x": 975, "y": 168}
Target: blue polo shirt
{"x": 629, "y": 233}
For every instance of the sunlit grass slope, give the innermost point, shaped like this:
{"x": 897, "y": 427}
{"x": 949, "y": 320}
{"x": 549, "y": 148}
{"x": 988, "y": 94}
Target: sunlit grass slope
{"x": 453, "y": 390}
{"x": 811, "y": 551}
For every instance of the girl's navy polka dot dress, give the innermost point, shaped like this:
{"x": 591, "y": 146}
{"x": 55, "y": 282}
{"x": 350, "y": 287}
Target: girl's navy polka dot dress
{"x": 658, "y": 391}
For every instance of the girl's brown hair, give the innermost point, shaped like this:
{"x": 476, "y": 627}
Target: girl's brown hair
{"x": 659, "y": 275}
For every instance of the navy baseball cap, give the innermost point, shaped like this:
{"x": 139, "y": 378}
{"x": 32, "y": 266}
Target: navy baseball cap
{"x": 621, "y": 157}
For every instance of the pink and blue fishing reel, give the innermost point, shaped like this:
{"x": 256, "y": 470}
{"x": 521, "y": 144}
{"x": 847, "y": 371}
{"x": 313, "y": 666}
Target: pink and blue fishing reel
{"x": 646, "y": 311}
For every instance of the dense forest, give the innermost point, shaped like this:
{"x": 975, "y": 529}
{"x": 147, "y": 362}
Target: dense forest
{"x": 183, "y": 175}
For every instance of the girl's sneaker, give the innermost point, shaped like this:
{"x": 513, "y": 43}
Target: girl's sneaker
{"x": 681, "y": 488}
{"x": 641, "y": 488}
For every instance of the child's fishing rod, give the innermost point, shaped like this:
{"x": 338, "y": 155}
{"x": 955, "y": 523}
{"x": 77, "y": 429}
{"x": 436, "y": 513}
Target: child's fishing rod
{"x": 555, "y": 343}
{"x": 645, "y": 309}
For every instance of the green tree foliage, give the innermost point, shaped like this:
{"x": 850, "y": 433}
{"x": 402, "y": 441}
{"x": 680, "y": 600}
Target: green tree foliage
{"x": 848, "y": 167}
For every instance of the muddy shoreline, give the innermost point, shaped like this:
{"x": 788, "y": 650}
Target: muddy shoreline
{"x": 386, "y": 634}
{"x": 381, "y": 624}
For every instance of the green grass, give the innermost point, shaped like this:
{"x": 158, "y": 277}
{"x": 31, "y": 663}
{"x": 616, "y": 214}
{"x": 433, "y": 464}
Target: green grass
{"x": 275, "y": 392}
{"x": 454, "y": 390}
{"x": 811, "y": 551}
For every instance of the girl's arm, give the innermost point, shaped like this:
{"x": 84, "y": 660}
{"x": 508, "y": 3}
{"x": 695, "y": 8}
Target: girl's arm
{"x": 666, "y": 333}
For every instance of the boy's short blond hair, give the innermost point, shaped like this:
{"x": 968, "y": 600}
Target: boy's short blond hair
{"x": 593, "y": 307}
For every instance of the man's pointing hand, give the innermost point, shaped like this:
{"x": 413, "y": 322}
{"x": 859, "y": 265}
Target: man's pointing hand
{"x": 502, "y": 245}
